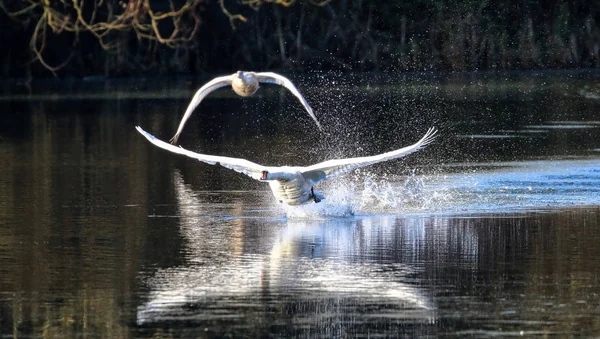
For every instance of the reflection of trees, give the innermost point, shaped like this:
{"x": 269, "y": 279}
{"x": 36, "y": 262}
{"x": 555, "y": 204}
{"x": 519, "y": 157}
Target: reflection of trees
{"x": 535, "y": 273}
{"x": 562, "y": 282}
{"x": 74, "y": 237}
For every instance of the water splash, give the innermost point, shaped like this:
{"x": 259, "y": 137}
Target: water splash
{"x": 338, "y": 202}
{"x": 385, "y": 193}
{"x": 362, "y": 193}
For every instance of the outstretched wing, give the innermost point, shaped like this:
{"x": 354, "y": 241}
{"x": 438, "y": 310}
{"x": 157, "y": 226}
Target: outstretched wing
{"x": 274, "y": 78}
{"x": 332, "y": 168}
{"x": 239, "y": 165}
{"x": 200, "y": 94}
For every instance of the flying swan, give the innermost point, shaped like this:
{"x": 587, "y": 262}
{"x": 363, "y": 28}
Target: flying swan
{"x": 244, "y": 84}
{"x": 293, "y": 185}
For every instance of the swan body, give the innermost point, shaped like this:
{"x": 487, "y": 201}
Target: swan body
{"x": 243, "y": 84}
{"x": 291, "y": 187}
{"x": 294, "y": 185}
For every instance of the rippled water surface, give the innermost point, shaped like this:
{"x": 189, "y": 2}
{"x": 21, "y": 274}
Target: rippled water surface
{"x": 493, "y": 230}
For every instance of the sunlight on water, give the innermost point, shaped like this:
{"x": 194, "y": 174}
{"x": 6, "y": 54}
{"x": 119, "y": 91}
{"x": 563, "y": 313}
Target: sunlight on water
{"x": 504, "y": 187}
{"x": 517, "y": 186}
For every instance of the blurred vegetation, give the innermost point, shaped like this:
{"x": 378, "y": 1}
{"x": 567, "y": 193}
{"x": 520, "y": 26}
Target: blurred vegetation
{"x": 138, "y": 37}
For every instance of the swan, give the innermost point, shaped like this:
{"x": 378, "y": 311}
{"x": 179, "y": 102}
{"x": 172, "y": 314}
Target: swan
{"x": 244, "y": 84}
{"x": 294, "y": 185}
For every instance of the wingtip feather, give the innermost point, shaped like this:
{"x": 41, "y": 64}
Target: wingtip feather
{"x": 144, "y": 133}
{"x": 429, "y": 137}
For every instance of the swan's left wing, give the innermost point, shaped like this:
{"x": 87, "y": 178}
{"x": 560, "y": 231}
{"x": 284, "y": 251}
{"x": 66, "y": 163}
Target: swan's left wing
{"x": 239, "y": 165}
{"x": 274, "y": 78}
{"x": 332, "y": 168}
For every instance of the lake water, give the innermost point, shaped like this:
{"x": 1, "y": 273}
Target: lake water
{"x": 492, "y": 230}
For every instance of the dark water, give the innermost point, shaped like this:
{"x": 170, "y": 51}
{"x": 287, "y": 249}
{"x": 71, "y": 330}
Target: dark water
{"x": 493, "y": 230}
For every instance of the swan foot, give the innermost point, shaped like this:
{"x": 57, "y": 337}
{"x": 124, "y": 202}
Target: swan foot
{"x": 312, "y": 192}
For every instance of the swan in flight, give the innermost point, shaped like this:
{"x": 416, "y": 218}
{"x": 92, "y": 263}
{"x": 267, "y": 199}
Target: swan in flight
{"x": 293, "y": 185}
{"x": 244, "y": 84}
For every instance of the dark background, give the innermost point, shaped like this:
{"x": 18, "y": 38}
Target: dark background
{"x": 296, "y": 35}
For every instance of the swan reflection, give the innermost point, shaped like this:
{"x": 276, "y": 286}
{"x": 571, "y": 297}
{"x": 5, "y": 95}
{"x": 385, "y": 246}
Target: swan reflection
{"x": 235, "y": 266}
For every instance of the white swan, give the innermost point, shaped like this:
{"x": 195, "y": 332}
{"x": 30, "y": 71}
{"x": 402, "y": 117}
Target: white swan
{"x": 294, "y": 185}
{"x": 244, "y": 84}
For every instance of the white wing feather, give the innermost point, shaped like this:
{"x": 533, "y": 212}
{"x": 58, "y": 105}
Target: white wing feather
{"x": 239, "y": 165}
{"x": 200, "y": 94}
{"x": 315, "y": 173}
{"x": 274, "y": 78}
{"x": 332, "y": 168}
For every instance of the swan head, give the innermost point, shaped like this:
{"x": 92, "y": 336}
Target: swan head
{"x": 246, "y": 76}
{"x": 279, "y": 176}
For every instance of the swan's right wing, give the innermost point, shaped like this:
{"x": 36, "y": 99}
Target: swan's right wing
{"x": 239, "y": 165}
{"x": 200, "y": 94}
{"x": 332, "y": 168}
{"x": 274, "y": 78}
